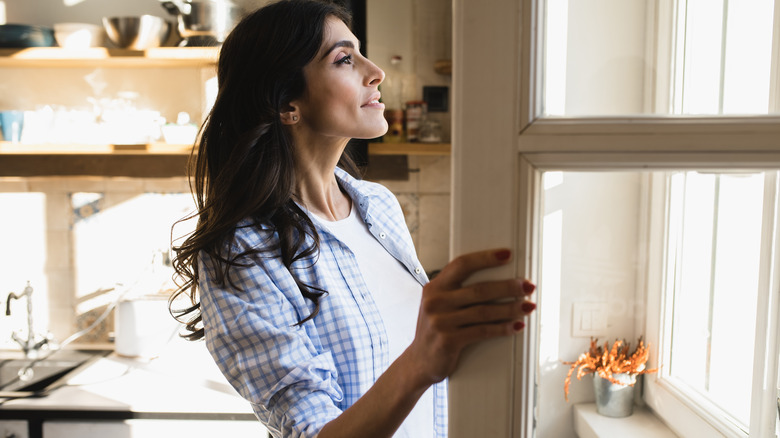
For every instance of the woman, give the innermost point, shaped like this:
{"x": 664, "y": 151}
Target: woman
{"x": 304, "y": 280}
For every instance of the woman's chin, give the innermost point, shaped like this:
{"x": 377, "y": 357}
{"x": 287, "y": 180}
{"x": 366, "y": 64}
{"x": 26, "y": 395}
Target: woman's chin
{"x": 372, "y": 133}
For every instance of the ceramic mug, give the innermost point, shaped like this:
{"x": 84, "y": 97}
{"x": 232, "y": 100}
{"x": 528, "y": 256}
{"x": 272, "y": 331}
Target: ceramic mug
{"x": 12, "y": 123}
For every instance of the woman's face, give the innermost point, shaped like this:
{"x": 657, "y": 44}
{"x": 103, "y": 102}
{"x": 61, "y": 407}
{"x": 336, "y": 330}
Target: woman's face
{"x": 342, "y": 97}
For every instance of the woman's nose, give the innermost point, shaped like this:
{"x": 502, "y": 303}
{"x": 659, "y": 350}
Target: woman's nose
{"x": 374, "y": 75}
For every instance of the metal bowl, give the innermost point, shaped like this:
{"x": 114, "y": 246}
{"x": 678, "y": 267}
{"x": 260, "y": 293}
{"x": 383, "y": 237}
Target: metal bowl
{"x": 25, "y": 35}
{"x": 137, "y": 33}
{"x": 204, "y": 22}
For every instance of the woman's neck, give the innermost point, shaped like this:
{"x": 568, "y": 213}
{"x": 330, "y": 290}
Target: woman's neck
{"x": 324, "y": 198}
{"x": 316, "y": 185}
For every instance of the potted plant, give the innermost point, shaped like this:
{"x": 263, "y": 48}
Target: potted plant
{"x": 614, "y": 374}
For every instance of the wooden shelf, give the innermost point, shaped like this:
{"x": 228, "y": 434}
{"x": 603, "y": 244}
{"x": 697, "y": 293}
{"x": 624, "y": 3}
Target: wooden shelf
{"x": 104, "y": 57}
{"x": 143, "y": 161}
{"x": 112, "y": 165}
{"x": 158, "y": 148}
{"x": 409, "y": 148}
{"x": 8, "y": 148}
{"x": 154, "y": 160}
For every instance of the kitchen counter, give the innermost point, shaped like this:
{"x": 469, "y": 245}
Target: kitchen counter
{"x": 182, "y": 383}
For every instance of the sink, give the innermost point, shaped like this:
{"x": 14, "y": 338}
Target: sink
{"x": 21, "y": 377}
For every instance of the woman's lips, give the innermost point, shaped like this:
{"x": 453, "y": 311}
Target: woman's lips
{"x": 374, "y": 102}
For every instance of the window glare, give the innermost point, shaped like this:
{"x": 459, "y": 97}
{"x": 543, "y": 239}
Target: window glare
{"x": 693, "y": 278}
{"x": 718, "y": 61}
{"x": 555, "y": 57}
{"x": 735, "y": 292}
{"x": 702, "y": 33}
{"x": 23, "y": 237}
{"x": 748, "y": 57}
{"x": 727, "y": 59}
{"x": 715, "y": 295}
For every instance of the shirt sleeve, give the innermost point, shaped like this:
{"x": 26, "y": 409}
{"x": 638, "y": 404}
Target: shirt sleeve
{"x": 278, "y": 366}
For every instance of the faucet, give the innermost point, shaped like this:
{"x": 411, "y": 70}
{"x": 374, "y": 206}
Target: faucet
{"x": 29, "y": 345}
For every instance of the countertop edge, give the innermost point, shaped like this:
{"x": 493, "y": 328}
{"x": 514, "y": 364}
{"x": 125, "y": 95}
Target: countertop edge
{"x": 24, "y": 413}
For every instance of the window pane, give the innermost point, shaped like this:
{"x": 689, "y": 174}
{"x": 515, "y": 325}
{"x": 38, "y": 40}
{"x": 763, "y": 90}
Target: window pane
{"x": 102, "y": 221}
{"x": 591, "y": 255}
{"x": 23, "y": 237}
{"x": 700, "y": 36}
{"x": 596, "y": 266}
{"x": 681, "y": 57}
{"x": 95, "y": 216}
{"x": 714, "y": 258}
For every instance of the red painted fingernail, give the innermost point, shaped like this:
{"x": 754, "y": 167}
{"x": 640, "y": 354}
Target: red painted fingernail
{"x": 503, "y": 255}
{"x": 528, "y": 307}
{"x": 519, "y": 325}
{"x": 528, "y": 287}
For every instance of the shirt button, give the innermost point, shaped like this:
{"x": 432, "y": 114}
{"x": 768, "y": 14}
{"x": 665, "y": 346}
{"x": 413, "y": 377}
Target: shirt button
{"x": 382, "y": 235}
{"x": 417, "y": 270}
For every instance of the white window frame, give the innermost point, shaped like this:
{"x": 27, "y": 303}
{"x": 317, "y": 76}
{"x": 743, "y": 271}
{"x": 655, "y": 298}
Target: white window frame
{"x": 502, "y": 144}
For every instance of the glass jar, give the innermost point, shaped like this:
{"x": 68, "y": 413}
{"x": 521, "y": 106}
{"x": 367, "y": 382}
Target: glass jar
{"x": 430, "y": 131}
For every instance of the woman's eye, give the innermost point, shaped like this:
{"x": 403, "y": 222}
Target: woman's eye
{"x": 345, "y": 60}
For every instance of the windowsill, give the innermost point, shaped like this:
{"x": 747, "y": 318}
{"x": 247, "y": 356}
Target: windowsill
{"x": 642, "y": 424}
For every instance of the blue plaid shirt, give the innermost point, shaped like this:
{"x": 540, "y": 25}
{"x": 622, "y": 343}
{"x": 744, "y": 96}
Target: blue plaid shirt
{"x": 298, "y": 378}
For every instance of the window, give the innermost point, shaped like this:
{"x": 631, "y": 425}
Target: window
{"x": 713, "y": 262}
{"x": 22, "y": 237}
{"x": 722, "y": 57}
{"x": 62, "y": 236}
{"x": 700, "y": 57}
{"x": 707, "y": 58}
{"x": 616, "y": 114}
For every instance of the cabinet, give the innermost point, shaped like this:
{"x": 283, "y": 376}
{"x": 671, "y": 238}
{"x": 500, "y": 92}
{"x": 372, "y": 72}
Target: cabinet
{"x": 145, "y": 161}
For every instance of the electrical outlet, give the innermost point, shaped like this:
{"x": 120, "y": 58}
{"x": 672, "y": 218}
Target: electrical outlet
{"x": 589, "y": 319}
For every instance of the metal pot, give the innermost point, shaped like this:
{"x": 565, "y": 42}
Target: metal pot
{"x": 613, "y": 400}
{"x": 204, "y": 22}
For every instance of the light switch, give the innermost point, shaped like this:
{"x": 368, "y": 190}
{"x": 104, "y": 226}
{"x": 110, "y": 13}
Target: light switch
{"x": 589, "y": 319}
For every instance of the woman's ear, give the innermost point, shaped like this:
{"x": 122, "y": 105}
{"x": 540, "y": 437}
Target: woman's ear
{"x": 290, "y": 115}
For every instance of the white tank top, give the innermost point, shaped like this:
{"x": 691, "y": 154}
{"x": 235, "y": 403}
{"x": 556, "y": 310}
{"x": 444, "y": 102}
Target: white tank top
{"x": 397, "y": 296}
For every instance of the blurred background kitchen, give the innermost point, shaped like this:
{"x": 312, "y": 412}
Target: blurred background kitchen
{"x": 98, "y": 119}
{"x": 71, "y": 236}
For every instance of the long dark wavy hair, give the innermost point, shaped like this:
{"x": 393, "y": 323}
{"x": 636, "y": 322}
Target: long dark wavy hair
{"x": 244, "y": 164}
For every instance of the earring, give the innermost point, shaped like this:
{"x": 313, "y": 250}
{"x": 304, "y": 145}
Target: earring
{"x": 295, "y": 118}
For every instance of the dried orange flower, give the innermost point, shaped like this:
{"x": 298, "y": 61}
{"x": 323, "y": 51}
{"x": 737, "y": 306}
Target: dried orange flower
{"x": 608, "y": 361}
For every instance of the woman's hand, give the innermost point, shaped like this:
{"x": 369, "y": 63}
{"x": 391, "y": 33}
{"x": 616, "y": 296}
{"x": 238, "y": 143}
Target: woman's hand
{"x": 453, "y": 316}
